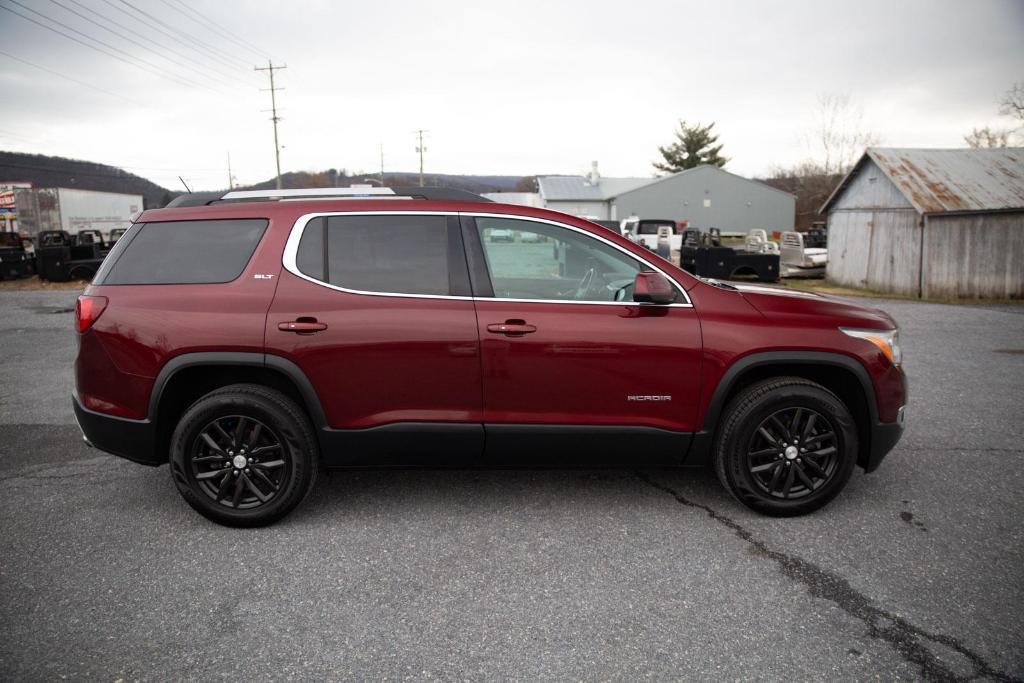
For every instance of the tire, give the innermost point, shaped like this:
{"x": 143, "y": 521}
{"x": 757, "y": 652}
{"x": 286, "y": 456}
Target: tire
{"x": 758, "y": 457}
{"x": 226, "y": 465}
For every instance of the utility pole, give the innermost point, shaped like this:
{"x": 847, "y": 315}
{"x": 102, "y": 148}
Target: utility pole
{"x": 231, "y": 178}
{"x": 273, "y": 108}
{"x": 421, "y": 149}
{"x": 382, "y": 164}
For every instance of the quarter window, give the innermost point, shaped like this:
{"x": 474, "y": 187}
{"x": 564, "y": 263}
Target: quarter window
{"x": 182, "y": 252}
{"x": 530, "y": 260}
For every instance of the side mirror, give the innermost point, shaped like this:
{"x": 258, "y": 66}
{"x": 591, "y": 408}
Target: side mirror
{"x": 653, "y": 288}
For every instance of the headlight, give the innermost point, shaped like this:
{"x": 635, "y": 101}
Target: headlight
{"x": 888, "y": 341}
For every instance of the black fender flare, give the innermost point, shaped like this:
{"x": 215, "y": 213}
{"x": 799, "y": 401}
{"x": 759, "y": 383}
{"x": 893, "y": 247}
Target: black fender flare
{"x": 239, "y": 358}
{"x": 703, "y": 441}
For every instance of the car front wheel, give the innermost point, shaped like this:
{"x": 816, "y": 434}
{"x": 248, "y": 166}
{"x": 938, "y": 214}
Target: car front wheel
{"x": 787, "y": 446}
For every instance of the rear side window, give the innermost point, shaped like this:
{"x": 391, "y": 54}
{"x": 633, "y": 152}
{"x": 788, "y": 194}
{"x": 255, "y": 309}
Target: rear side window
{"x": 183, "y": 252}
{"x": 651, "y": 228}
{"x": 401, "y": 254}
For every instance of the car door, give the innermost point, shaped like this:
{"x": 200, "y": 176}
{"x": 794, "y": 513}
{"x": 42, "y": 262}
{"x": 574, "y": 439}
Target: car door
{"x": 376, "y": 311}
{"x": 570, "y": 363}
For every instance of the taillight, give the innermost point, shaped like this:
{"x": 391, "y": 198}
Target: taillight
{"x": 88, "y": 310}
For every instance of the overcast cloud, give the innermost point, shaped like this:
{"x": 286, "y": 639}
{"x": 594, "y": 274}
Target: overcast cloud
{"x": 508, "y": 88}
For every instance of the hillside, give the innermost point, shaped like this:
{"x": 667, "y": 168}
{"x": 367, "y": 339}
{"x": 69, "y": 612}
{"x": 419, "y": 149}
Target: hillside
{"x": 331, "y": 178}
{"x": 45, "y": 171}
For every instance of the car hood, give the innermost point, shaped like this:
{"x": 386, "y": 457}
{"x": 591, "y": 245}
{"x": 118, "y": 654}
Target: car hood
{"x": 779, "y": 302}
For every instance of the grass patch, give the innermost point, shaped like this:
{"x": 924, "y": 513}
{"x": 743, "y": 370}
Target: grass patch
{"x": 827, "y": 286}
{"x": 34, "y": 283}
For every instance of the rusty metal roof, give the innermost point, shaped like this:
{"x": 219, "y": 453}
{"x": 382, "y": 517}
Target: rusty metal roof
{"x": 950, "y": 180}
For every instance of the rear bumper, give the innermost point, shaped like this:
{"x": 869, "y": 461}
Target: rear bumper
{"x": 130, "y": 439}
{"x": 884, "y": 437}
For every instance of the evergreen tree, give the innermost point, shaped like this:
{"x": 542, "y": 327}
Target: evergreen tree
{"x": 694, "y": 145}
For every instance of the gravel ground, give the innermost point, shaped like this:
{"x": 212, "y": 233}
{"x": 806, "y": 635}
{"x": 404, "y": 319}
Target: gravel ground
{"x": 916, "y": 571}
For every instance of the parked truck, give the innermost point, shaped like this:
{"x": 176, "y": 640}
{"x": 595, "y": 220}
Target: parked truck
{"x": 14, "y": 259}
{"x": 61, "y": 257}
{"x": 703, "y": 254}
{"x": 73, "y": 210}
{"x": 801, "y": 260}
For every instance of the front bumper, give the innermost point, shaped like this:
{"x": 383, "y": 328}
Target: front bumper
{"x": 884, "y": 437}
{"x": 134, "y": 440}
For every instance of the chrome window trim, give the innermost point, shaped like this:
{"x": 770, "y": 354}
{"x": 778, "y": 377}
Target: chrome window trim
{"x": 291, "y": 249}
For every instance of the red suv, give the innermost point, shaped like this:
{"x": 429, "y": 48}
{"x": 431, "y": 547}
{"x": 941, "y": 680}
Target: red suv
{"x": 253, "y": 338}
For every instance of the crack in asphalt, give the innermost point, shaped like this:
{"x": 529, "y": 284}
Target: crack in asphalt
{"x": 954, "y": 449}
{"x": 904, "y": 637}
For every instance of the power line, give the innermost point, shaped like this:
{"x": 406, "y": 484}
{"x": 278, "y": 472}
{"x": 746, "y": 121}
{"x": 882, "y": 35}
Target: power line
{"x": 185, "y": 35}
{"x": 273, "y": 108}
{"x": 66, "y": 77}
{"x": 155, "y": 70}
{"x": 211, "y": 25}
{"x": 177, "y": 38}
{"x": 149, "y": 47}
{"x": 133, "y": 41}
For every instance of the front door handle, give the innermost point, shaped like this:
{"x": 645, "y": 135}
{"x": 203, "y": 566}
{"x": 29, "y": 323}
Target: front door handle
{"x": 302, "y": 326}
{"x": 511, "y": 328}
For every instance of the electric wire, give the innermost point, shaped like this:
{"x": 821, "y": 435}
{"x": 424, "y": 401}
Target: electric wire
{"x": 185, "y": 35}
{"x": 66, "y": 77}
{"x": 227, "y": 79}
{"x": 177, "y": 39}
{"x": 213, "y": 26}
{"x": 156, "y": 70}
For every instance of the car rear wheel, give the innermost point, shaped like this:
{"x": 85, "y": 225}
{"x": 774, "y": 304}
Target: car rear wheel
{"x": 787, "y": 446}
{"x": 244, "y": 455}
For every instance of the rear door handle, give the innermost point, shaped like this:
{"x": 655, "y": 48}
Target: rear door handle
{"x": 302, "y": 326}
{"x": 512, "y": 328}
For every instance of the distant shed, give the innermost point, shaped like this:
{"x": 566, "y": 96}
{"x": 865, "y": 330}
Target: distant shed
{"x": 930, "y": 222}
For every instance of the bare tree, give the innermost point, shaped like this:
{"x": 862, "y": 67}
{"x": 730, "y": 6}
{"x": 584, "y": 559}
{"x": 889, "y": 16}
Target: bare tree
{"x": 834, "y": 144}
{"x": 809, "y": 183}
{"x": 839, "y": 136}
{"x": 1012, "y": 103}
{"x": 984, "y": 138}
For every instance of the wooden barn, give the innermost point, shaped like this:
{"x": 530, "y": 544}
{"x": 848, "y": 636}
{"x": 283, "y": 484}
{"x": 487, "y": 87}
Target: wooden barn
{"x": 930, "y": 223}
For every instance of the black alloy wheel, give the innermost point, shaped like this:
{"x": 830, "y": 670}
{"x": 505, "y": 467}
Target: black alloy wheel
{"x": 244, "y": 455}
{"x": 785, "y": 446}
{"x": 239, "y": 462}
{"x": 793, "y": 453}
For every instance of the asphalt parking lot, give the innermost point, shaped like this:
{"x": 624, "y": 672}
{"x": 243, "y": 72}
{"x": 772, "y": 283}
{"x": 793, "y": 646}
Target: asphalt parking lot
{"x": 916, "y": 571}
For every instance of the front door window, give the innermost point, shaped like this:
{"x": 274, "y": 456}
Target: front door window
{"x": 542, "y": 262}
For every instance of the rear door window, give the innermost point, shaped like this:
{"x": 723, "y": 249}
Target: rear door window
{"x": 397, "y": 254}
{"x": 182, "y": 252}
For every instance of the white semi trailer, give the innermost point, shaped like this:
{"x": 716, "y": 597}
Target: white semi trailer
{"x": 74, "y": 210}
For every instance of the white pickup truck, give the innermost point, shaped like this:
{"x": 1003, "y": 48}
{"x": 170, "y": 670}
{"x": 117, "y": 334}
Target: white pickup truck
{"x": 645, "y": 232}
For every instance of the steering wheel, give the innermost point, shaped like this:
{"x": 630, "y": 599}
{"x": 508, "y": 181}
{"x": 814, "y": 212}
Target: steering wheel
{"x": 584, "y": 286}
{"x": 620, "y": 288}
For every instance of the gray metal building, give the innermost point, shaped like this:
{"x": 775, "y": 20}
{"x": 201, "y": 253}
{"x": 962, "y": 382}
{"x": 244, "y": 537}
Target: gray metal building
{"x": 706, "y": 196}
{"x": 930, "y": 222}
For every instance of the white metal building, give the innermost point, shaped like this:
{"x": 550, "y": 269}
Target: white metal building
{"x": 706, "y": 196}
{"x": 930, "y": 222}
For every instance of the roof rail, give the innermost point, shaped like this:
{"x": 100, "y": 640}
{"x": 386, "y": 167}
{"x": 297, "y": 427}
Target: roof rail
{"x": 429, "y": 193}
{"x": 311, "y": 192}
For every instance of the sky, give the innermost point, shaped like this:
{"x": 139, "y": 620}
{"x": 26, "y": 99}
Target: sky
{"x": 515, "y": 88}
